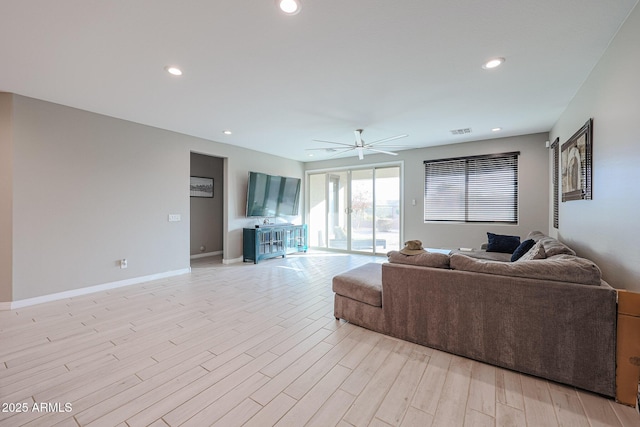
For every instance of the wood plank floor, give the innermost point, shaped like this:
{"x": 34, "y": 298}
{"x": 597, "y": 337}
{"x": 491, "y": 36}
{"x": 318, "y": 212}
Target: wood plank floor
{"x": 254, "y": 345}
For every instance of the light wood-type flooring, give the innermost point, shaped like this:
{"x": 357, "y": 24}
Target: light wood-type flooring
{"x": 254, "y": 345}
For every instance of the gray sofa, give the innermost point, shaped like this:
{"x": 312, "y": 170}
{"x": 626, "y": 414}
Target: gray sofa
{"x": 550, "y": 316}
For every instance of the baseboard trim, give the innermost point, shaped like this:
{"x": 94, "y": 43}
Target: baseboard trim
{"x": 205, "y": 255}
{"x": 5, "y": 306}
{"x": 232, "y": 260}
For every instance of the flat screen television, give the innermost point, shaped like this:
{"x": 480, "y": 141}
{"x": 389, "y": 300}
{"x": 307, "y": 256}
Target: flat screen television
{"x": 272, "y": 196}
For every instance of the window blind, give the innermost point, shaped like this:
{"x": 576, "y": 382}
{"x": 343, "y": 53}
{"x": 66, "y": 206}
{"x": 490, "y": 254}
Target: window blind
{"x": 472, "y": 189}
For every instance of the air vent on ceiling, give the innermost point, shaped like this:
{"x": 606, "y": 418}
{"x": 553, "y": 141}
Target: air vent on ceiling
{"x": 460, "y": 131}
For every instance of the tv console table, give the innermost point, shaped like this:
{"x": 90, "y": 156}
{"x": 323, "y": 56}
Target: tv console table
{"x": 273, "y": 241}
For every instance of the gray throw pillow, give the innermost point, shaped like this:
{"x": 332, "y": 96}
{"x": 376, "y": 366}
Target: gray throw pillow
{"x": 536, "y": 252}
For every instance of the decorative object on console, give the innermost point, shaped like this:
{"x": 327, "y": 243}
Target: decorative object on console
{"x": 576, "y": 156}
{"x": 502, "y": 243}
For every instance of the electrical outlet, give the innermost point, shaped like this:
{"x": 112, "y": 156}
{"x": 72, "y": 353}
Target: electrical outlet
{"x": 174, "y": 217}
{"x": 123, "y": 263}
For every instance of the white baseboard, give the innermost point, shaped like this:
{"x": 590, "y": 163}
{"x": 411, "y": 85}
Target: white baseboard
{"x": 205, "y": 255}
{"x": 232, "y": 260}
{"x": 5, "y": 306}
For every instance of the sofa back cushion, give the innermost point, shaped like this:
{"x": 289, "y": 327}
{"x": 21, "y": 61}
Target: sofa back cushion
{"x": 560, "y": 268}
{"x": 551, "y": 246}
{"x": 426, "y": 259}
{"x": 483, "y": 254}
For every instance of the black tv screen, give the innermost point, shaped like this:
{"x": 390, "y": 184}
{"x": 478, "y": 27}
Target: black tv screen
{"x": 271, "y": 196}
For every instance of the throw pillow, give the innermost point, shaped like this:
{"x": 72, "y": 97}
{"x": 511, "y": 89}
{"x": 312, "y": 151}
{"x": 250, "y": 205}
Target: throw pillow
{"x": 522, "y": 249}
{"x": 425, "y": 259}
{"x": 502, "y": 243}
{"x": 536, "y": 252}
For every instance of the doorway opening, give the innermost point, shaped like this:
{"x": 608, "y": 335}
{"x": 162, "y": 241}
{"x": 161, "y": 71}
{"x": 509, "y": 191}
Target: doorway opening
{"x": 207, "y": 211}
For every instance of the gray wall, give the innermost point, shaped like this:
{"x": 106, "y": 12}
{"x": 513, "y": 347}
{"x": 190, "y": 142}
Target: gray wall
{"x": 606, "y": 228}
{"x": 89, "y": 190}
{"x": 6, "y": 198}
{"x": 533, "y": 174}
{"x": 207, "y": 213}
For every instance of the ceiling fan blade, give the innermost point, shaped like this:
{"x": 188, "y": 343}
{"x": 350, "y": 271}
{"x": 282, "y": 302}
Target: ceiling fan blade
{"x": 333, "y": 142}
{"x": 387, "y": 139}
{"x": 360, "y": 153}
{"x": 382, "y": 151}
{"x": 358, "y": 133}
{"x": 340, "y": 151}
{"x": 326, "y": 149}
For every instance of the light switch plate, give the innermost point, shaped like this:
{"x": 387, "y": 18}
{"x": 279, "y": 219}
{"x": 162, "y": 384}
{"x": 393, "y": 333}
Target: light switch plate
{"x": 174, "y": 217}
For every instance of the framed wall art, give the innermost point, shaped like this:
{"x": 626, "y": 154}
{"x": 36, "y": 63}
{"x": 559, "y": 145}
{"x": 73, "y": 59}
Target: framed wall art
{"x": 576, "y": 159}
{"x": 201, "y": 187}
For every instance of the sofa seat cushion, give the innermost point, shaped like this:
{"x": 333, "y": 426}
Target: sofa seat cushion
{"x": 426, "y": 259}
{"x": 362, "y": 283}
{"x": 560, "y": 268}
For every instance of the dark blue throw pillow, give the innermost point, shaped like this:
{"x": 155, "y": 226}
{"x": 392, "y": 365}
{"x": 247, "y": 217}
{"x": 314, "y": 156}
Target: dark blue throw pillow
{"x": 522, "y": 249}
{"x": 502, "y": 243}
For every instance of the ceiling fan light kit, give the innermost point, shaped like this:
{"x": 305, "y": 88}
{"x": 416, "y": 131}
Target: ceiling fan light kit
{"x": 360, "y": 146}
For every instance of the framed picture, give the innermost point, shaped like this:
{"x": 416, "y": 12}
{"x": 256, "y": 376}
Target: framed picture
{"x": 201, "y": 187}
{"x": 576, "y": 162}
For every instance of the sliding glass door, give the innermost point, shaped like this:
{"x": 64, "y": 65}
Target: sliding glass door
{"x": 355, "y": 209}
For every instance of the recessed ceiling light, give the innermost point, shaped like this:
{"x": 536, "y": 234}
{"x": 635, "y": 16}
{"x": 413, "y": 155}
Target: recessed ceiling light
{"x": 496, "y": 129}
{"x": 173, "y": 70}
{"x": 227, "y": 132}
{"x": 290, "y": 7}
{"x": 493, "y": 63}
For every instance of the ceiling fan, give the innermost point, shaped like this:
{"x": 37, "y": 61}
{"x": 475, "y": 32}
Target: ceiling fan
{"x": 360, "y": 145}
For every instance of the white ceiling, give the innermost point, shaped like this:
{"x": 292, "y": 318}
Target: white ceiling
{"x": 278, "y": 82}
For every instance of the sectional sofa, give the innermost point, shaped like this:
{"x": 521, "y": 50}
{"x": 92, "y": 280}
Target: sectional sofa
{"x": 549, "y": 314}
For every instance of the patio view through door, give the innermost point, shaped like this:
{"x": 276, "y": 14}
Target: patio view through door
{"x": 355, "y": 209}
